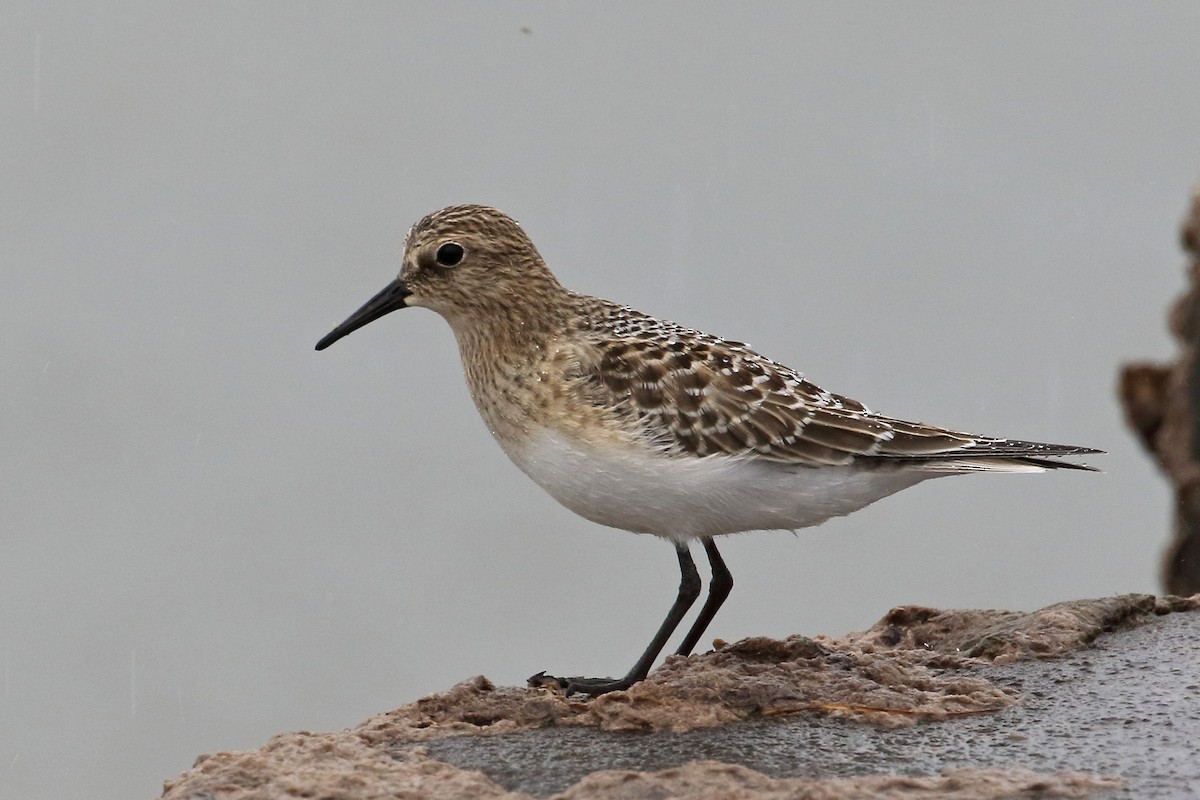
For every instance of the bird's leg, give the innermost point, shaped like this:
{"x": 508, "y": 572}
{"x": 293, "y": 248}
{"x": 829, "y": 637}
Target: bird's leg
{"x": 689, "y": 590}
{"x": 718, "y": 589}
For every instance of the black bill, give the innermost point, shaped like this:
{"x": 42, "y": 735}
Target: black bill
{"x": 389, "y": 300}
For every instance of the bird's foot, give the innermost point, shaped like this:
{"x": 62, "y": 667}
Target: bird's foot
{"x": 593, "y": 687}
{"x": 543, "y": 681}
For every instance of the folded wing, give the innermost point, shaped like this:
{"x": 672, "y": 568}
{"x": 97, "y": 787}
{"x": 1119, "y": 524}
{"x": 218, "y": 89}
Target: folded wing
{"x": 709, "y": 396}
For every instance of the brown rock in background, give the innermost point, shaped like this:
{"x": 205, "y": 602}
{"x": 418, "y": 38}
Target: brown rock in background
{"x": 1162, "y": 403}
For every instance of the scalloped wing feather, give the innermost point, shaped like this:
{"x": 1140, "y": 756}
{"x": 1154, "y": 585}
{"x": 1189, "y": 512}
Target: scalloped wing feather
{"x": 698, "y": 395}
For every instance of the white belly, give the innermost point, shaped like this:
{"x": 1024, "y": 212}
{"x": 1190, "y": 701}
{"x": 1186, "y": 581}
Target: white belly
{"x": 686, "y": 498}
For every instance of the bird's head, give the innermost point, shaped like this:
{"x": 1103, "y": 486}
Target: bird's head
{"x": 467, "y": 263}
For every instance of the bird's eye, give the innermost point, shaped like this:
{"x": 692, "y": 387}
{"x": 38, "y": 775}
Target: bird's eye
{"x": 450, "y": 254}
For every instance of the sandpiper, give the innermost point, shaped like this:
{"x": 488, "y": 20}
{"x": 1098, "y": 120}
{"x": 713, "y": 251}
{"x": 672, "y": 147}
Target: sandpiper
{"x": 644, "y": 425}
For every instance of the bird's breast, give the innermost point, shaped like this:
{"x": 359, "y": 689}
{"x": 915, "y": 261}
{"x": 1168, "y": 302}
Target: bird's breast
{"x": 521, "y": 390}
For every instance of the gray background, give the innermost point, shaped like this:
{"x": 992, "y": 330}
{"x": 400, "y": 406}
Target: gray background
{"x": 962, "y": 214}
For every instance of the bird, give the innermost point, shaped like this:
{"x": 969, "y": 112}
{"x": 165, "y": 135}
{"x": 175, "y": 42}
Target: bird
{"x": 647, "y": 426}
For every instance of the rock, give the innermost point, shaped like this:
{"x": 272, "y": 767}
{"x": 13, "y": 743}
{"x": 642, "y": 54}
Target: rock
{"x": 1162, "y": 404}
{"x": 711, "y": 780}
{"x": 994, "y": 693}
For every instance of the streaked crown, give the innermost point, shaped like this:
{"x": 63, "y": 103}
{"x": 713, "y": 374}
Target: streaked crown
{"x": 471, "y": 261}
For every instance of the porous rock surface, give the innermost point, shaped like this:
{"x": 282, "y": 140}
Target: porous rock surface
{"x": 914, "y": 664}
{"x": 712, "y": 780}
